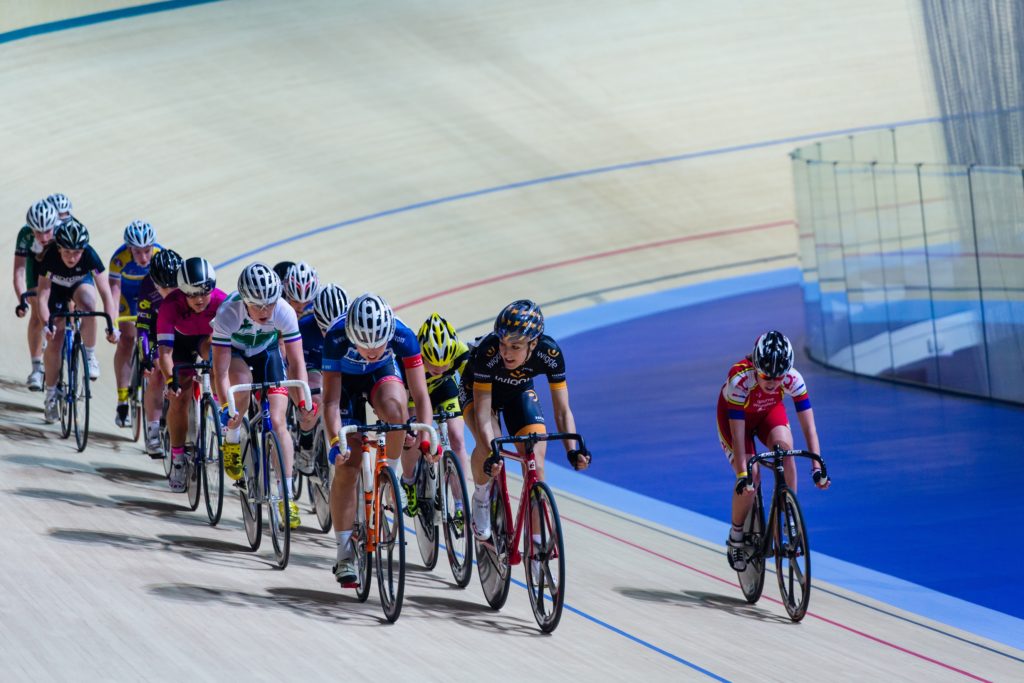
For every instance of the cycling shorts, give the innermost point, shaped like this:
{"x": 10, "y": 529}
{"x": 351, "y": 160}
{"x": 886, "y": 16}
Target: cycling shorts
{"x": 757, "y": 424}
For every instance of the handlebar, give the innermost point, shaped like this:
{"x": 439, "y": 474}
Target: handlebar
{"x": 201, "y": 365}
{"x": 25, "y": 296}
{"x": 444, "y": 416}
{"x": 81, "y": 314}
{"x": 125, "y": 319}
{"x": 533, "y": 438}
{"x": 262, "y": 386}
{"x": 774, "y": 455}
{"x": 384, "y": 427}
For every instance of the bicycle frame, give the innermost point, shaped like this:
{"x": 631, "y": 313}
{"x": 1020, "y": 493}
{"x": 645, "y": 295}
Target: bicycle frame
{"x": 775, "y": 459}
{"x": 265, "y": 424}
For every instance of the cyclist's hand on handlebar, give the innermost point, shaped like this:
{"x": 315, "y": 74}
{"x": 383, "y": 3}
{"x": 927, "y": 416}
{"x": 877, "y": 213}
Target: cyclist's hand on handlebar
{"x": 492, "y": 465}
{"x": 113, "y": 335}
{"x": 20, "y": 310}
{"x": 579, "y": 458}
{"x": 337, "y": 453}
{"x": 50, "y": 331}
{"x": 146, "y": 364}
{"x": 744, "y": 484}
{"x": 312, "y": 410}
{"x": 228, "y": 420}
{"x": 822, "y": 482}
{"x": 425, "y": 450}
{"x": 172, "y": 387}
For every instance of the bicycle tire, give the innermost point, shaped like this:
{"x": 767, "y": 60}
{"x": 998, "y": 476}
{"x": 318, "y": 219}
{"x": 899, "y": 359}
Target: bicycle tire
{"x": 213, "y": 461}
{"x": 425, "y": 520}
{"x": 320, "y": 483}
{"x": 390, "y": 551}
{"x": 792, "y": 556}
{"x": 492, "y": 557}
{"x": 135, "y": 387}
{"x": 279, "y": 523}
{"x": 298, "y": 479}
{"x": 360, "y": 529}
{"x": 82, "y": 395}
{"x": 457, "y": 537}
{"x": 752, "y": 578}
{"x": 193, "y": 473}
{"x": 165, "y": 440}
{"x": 63, "y": 392}
{"x": 248, "y": 491}
{"x": 545, "y": 580}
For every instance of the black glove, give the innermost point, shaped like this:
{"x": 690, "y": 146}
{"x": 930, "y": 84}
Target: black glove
{"x": 742, "y": 482}
{"x": 146, "y": 363}
{"x": 172, "y": 384}
{"x": 578, "y": 456}
{"x": 490, "y": 462}
{"x": 21, "y": 309}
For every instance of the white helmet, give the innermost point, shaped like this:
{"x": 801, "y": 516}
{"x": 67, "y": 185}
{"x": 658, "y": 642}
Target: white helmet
{"x": 301, "y": 283}
{"x": 42, "y": 216}
{"x": 329, "y": 306}
{"x": 259, "y": 285}
{"x": 370, "y": 322}
{"x": 60, "y": 202}
{"x": 139, "y": 234}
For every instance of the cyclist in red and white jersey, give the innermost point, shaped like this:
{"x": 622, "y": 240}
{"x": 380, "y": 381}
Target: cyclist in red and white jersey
{"x": 750, "y": 404}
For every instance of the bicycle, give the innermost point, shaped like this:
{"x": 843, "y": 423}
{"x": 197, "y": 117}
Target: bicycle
{"x": 318, "y": 482}
{"x": 136, "y": 384}
{"x": 73, "y": 385}
{"x": 379, "y": 528}
{"x": 785, "y": 537}
{"x": 436, "y": 508}
{"x": 545, "y": 570}
{"x": 205, "y": 436}
{"x": 256, "y": 487}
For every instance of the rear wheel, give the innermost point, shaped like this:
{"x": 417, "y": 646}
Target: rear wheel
{"x": 213, "y": 461}
{"x": 492, "y": 556}
{"x": 425, "y": 522}
{"x": 135, "y": 389}
{"x": 544, "y": 558}
{"x": 248, "y": 492}
{"x": 320, "y": 483}
{"x": 390, "y": 551}
{"x": 456, "y": 526}
{"x": 80, "y": 407}
{"x": 752, "y": 578}
{"x": 277, "y": 497}
{"x": 792, "y": 556}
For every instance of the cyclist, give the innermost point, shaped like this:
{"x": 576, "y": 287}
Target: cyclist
{"x": 361, "y": 354}
{"x": 128, "y": 267}
{"x": 245, "y": 350}
{"x": 499, "y": 380}
{"x": 157, "y": 285}
{"x": 33, "y": 240}
{"x": 183, "y": 329}
{"x": 749, "y": 404}
{"x": 72, "y": 272}
{"x": 444, "y": 361}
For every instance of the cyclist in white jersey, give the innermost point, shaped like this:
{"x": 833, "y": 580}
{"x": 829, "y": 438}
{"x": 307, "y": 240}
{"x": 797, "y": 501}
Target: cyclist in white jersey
{"x": 245, "y": 350}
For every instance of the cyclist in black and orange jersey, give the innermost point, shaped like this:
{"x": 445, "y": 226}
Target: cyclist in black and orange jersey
{"x": 499, "y": 380}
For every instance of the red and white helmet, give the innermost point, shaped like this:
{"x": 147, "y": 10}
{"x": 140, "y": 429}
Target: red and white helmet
{"x": 301, "y": 283}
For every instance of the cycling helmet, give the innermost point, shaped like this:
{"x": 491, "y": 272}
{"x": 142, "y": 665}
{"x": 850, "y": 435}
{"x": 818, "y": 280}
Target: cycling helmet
{"x": 60, "y": 202}
{"x": 282, "y": 267}
{"x": 164, "y": 268}
{"x": 329, "y": 305}
{"x": 520, "y": 320}
{"x": 71, "y": 234}
{"x": 196, "y": 276}
{"x": 438, "y": 341}
{"x": 773, "y": 354}
{"x": 41, "y": 216}
{"x": 259, "y": 285}
{"x": 370, "y": 322}
{"x": 139, "y": 234}
{"x": 301, "y": 283}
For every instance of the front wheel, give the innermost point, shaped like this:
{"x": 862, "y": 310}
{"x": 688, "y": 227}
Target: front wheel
{"x": 212, "y": 462}
{"x": 493, "y": 556}
{"x": 792, "y": 556}
{"x": 752, "y": 578}
{"x": 390, "y": 551}
{"x": 360, "y": 532}
{"x": 248, "y": 491}
{"x": 135, "y": 399}
{"x": 277, "y": 496}
{"x": 63, "y": 392}
{"x": 320, "y": 483}
{"x": 425, "y": 522}
{"x": 455, "y": 519}
{"x": 544, "y": 557}
{"x": 80, "y": 406}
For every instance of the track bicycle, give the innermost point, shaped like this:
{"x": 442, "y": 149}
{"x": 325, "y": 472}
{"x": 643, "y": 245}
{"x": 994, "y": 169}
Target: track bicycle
{"x": 203, "y": 443}
{"x": 379, "y": 529}
{"x": 261, "y": 453}
{"x": 538, "y": 522}
{"x": 437, "y": 511}
{"x": 784, "y": 538}
{"x": 73, "y": 392}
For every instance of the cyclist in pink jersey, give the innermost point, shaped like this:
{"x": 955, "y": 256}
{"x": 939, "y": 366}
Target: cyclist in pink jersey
{"x": 750, "y": 404}
{"x": 183, "y": 329}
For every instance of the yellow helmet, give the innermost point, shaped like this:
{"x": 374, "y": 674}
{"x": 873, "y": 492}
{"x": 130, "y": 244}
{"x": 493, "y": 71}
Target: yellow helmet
{"x": 438, "y": 341}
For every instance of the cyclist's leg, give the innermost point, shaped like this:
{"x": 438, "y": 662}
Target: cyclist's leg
{"x": 344, "y": 495}
{"x": 238, "y": 373}
{"x": 51, "y": 356}
{"x": 87, "y": 299}
{"x": 522, "y": 415}
{"x": 773, "y": 431}
{"x": 35, "y": 325}
{"x": 125, "y": 345}
{"x": 153, "y": 397}
{"x": 389, "y": 400}
{"x": 307, "y": 421}
{"x": 741, "y": 502}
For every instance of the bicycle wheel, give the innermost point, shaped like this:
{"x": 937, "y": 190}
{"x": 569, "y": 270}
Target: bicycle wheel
{"x": 63, "y": 391}
{"x": 456, "y": 531}
{"x": 298, "y": 482}
{"x": 390, "y": 551}
{"x": 492, "y": 557}
{"x": 193, "y": 465}
{"x": 792, "y": 557}
{"x": 752, "y": 578}
{"x": 213, "y": 460}
{"x": 544, "y": 557}
{"x": 135, "y": 387}
{"x": 359, "y": 536}
{"x": 165, "y": 440}
{"x": 320, "y": 483}
{"x": 80, "y": 408}
{"x": 425, "y": 522}
{"x": 276, "y": 496}
{"x": 248, "y": 489}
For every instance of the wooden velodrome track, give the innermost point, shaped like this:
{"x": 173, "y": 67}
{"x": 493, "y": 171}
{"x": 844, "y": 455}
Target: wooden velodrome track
{"x": 411, "y": 133}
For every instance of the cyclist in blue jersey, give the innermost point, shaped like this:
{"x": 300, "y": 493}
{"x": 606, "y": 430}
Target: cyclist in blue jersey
{"x": 300, "y": 286}
{"x": 361, "y": 363}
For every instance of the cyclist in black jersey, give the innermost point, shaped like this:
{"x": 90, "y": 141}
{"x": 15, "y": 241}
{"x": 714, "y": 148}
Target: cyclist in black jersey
{"x": 499, "y": 381}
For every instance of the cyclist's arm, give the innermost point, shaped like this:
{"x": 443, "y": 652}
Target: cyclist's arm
{"x": 114, "y": 285}
{"x": 221, "y": 365}
{"x": 810, "y": 431}
{"x": 738, "y": 428}
{"x": 331, "y": 395}
{"x": 564, "y": 420}
{"x": 296, "y": 368}
{"x": 19, "y": 276}
{"x": 166, "y": 360}
{"x": 482, "y": 413}
{"x": 43, "y": 299}
{"x": 417, "y": 381}
{"x": 103, "y": 287}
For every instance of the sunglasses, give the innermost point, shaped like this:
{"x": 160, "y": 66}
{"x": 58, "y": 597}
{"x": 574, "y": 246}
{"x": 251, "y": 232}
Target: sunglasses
{"x": 766, "y": 378}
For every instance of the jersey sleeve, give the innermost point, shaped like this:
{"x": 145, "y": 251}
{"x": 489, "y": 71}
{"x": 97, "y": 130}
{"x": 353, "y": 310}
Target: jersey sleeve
{"x": 23, "y": 246}
{"x": 794, "y": 385}
{"x": 166, "y": 320}
{"x": 147, "y": 306}
{"x": 333, "y": 348}
{"x": 406, "y": 346}
{"x": 224, "y": 323}
{"x": 287, "y": 322}
{"x": 737, "y": 389}
{"x": 118, "y": 262}
{"x": 554, "y": 363}
{"x": 95, "y": 263}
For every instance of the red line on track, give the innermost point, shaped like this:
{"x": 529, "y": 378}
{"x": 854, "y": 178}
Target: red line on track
{"x": 595, "y": 257}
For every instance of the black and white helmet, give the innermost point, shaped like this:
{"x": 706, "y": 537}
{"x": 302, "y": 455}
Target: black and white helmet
{"x": 329, "y": 306}
{"x": 301, "y": 283}
{"x": 196, "y": 276}
{"x": 139, "y": 234}
{"x": 71, "y": 234}
{"x": 42, "y": 216}
{"x": 164, "y": 268}
{"x": 370, "y": 322}
{"x": 60, "y": 202}
{"x": 259, "y": 285}
{"x": 773, "y": 354}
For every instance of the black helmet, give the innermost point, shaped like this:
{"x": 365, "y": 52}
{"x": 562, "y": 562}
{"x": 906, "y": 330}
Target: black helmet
{"x": 71, "y": 234}
{"x": 164, "y": 268}
{"x": 281, "y": 268}
{"x": 521, "y": 319}
{"x": 773, "y": 354}
{"x": 196, "y": 276}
